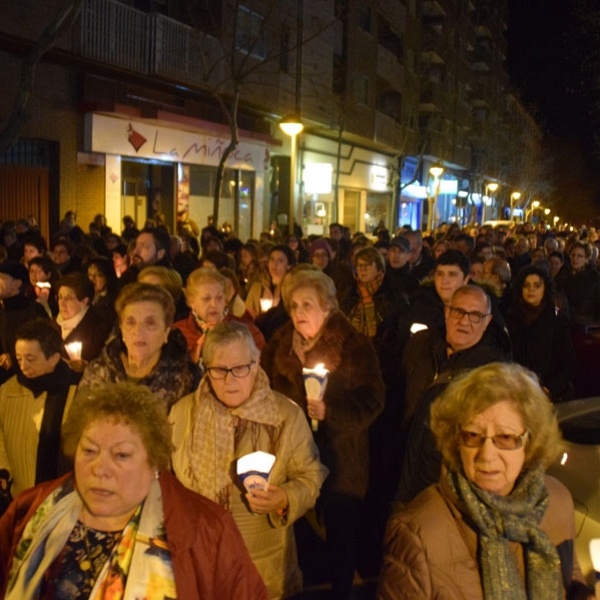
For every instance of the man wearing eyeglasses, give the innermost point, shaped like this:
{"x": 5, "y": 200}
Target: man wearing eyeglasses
{"x": 432, "y": 359}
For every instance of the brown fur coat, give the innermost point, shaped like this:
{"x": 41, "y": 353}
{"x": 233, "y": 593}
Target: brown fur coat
{"x": 354, "y": 397}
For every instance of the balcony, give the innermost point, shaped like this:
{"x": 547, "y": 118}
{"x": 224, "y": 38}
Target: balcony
{"x": 433, "y": 97}
{"x": 387, "y": 130}
{"x": 434, "y": 47}
{"x": 149, "y": 44}
{"x": 389, "y": 67}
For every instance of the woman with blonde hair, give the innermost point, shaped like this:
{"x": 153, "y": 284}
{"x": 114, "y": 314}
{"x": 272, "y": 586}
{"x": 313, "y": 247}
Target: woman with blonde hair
{"x": 207, "y": 293}
{"x": 495, "y": 526}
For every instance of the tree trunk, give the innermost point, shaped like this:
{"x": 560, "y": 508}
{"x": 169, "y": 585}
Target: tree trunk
{"x": 231, "y": 116}
{"x": 337, "y": 171}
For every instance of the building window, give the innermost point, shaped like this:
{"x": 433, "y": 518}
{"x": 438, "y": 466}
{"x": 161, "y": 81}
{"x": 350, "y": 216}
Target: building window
{"x": 390, "y": 104}
{"x": 364, "y": 18}
{"x": 390, "y": 39}
{"x": 250, "y": 35}
{"x": 361, "y": 89}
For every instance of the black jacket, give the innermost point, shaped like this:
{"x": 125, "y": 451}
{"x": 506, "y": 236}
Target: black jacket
{"x": 544, "y": 346}
{"x": 429, "y": 370}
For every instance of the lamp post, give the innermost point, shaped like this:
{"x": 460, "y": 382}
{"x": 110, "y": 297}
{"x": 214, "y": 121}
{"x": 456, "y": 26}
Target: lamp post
{"x": 490, "y": 187}
{"x": 436, "y": 173}
{"x": 292, "y": 126}
{"x": 535, "y": 204}
{"x": 513, "y": 197}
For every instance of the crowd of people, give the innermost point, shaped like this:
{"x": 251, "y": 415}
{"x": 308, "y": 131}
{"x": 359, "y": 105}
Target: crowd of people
{"x": 138, "y": 368}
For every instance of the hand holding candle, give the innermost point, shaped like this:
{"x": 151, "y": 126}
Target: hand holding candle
{"x": 315, "y": 384}
{"x": 74, "y": 350}
{"x": 266, "y": 304}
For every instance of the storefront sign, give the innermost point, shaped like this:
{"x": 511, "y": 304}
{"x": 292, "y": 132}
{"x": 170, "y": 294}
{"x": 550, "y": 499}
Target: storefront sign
{"x": 126, "y": 137}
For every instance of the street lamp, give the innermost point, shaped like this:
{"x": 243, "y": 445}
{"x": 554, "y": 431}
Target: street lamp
{"x": 487, "y": 201}
{"x": 292, "y": 126}
{"x": 436, "y": 173}
{"x": 547, "y": 211}
{"x": 535, "y": 204}
{"x": 513, "y": 198}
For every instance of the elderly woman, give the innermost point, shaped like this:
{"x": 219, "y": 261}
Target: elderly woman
{"x": 146, "y": 351}
{"x": 541, "y": 338}
{"x": 207, "y": 293}
{"x": 281, "y": 260}
{"x": 234, "y": 413}
{"x": 494, "y": 526}
{"x": 121, "y": 525}
{"x": 319, "y": 333}
{"x": 79, "y": 321}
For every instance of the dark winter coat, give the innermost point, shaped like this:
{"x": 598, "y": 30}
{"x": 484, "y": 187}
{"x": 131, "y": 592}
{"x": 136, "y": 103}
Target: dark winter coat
{"x": 173, "y": 377}
{"x": 354, "y": 397}
{"x": 428, "y": 371}
{"x": 583, "y": 292}
{"x": 92, "y": 331}
{"x": 544, "y": 346}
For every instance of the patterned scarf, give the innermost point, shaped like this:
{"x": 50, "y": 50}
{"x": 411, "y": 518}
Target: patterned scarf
{"x": 364, "y": 316}
{"x": 513, "y": 518}
{"x": 216, "y": 431}
{"x": 133, "y": 570}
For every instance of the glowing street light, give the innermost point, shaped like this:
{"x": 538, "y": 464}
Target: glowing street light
{"x": 513, "y": 198}
{"x": 436, "y": 173}
{"x": 292, "y": 126}
{"x": 490, "y": 187}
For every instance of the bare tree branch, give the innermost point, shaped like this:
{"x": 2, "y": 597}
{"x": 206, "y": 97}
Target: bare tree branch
{"x": 63, "y": 21}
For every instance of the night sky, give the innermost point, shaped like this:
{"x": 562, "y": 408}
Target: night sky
{"x": 554, "y": 62}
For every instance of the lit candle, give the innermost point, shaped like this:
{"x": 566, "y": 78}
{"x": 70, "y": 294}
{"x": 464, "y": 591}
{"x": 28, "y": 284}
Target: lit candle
{"x": 266, "y": 304}
{"x": 74, "y": 350}
{"x": 315, "y": 383}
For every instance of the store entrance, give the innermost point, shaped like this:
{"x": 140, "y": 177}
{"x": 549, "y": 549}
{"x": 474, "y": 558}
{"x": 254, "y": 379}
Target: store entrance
{"x": 148, "y": 192}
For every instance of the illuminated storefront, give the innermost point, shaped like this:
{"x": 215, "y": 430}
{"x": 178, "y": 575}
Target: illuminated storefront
{"x": 159, "y": 169}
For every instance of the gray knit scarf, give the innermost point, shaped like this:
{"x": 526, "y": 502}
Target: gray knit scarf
{"x": 513, "y": 518}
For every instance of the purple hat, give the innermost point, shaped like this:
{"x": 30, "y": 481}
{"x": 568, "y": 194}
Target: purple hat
{"x": 320, "y": 244}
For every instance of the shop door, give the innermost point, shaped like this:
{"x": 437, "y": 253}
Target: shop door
{"x": 24, "y": 192}
{"x": 148, "y": 191}
{"x": 351, "y": 210}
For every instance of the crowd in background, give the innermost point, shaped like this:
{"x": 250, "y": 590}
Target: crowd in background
{"x": 395, "y": 318}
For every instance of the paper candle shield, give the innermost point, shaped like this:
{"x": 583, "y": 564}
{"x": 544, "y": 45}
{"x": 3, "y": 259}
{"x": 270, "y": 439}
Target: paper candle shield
{"x": 254, "y": 470}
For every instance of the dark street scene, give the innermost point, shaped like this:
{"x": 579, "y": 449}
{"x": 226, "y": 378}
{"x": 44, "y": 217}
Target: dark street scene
{"x": 299, "y": 299}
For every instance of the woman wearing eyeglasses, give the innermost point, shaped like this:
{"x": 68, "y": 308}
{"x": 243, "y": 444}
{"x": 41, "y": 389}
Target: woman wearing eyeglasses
{"x": 233, "y": 413}
{"x": 495, "y": 526}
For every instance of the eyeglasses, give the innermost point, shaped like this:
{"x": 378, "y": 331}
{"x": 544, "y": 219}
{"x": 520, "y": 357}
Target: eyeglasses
{"x": 363, "y": 265}
{"x": 475, "y": 316}
{"x": 238, "y": 372}
{"x": 503, "y": 441}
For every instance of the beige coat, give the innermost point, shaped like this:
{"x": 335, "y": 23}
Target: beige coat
{"x": 298, "y": 470}
{"x": 431, "y": 552}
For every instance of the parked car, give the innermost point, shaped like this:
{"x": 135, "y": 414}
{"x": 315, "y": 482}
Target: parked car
{"x": 579, "y": 469}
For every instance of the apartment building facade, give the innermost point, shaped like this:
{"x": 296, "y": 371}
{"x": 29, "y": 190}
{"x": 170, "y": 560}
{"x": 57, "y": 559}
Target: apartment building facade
{"x": 131, "y": 112}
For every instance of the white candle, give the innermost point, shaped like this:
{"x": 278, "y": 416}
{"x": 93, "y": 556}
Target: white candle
{"x": 266, "y": 304}
{"x": 74, "y": 350}
{"x": 315, "y": 384}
